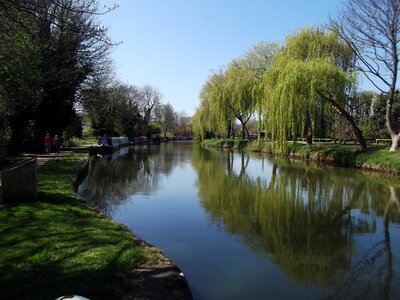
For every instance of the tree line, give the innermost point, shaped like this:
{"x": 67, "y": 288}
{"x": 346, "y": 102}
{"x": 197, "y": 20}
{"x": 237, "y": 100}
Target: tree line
{"x": 309, "y": 86}
{"x": 56, "y": 71}
{"x": 113, "y": 108}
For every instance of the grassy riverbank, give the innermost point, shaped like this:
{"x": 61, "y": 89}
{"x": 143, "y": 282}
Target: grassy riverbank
{"x": 59, "y": 246}
{"x": 375, "y": 158}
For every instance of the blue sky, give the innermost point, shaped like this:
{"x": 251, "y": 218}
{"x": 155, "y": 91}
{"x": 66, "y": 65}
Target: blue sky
{"x": 174, "y": 44}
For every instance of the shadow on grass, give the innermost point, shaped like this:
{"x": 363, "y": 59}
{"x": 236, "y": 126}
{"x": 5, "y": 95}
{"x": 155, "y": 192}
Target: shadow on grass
{"x": 58, "y": 246}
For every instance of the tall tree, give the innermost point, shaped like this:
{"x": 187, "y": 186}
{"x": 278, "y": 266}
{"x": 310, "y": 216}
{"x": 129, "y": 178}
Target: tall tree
{"x": 372, "y": 29}
{"x": 68, "y": 46}
{"x": 150, "y": 98}
{"x": 259, "y": 60}
{"x": 112, "y": 107}
{"x": 312, "y": 73}
{"x": 72, "y": 45}
{"x": 169, "y": 119}
{"x": 238, "y": 90}
{"x": 215, "y": 112}
{"x": 234, "y": 93}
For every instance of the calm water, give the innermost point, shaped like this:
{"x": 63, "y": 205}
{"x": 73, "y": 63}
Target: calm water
{"x": 244, "y": 226}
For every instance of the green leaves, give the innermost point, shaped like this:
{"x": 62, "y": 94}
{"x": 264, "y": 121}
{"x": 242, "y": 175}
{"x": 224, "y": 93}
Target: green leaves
{"x": 235, "y": 91}
{"x": 312, "y": 62}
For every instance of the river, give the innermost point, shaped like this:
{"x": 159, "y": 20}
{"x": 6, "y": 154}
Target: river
{"x": 249, "y": 226}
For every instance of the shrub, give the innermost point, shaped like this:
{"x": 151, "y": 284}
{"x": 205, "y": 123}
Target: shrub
{"x": 240, "y": 143}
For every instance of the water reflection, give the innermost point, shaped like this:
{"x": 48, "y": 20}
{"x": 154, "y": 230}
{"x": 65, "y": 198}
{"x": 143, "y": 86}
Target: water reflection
{"x": 305, "y": 219}
{"x": 334, "y": 229}
{"x": 129, "y": 171}
{"x": 374, "y": 273}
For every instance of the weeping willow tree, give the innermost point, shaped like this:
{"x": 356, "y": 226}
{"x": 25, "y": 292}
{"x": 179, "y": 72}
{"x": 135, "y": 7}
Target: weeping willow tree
{"x": 202, "y": 120}
{"x": 213, "y": 117}
{"x": 238, "y": 93}
{"x": 230, "y": 94}
{"x": 259, "y": 60}
{"x": 226, "y": 96}
{"x": 312, "y": 75}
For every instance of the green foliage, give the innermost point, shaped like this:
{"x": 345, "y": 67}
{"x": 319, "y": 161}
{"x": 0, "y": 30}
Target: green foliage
{"x": 226, "y": 143}
{"x": 229, "y": 143}
{"x": 379, "y": 115}
{"x": 241, "y": 143}
{"x": 20, "y": 87}
{"x": 154, "y": 128}
{"x": 48, "y": 49}
{"x": 376, "y": 158}
{"x": 81, "y": 142}
{"x": 312, "y": 63}
{"x": 217, "y": 143}
{"x": 234, "y": 93}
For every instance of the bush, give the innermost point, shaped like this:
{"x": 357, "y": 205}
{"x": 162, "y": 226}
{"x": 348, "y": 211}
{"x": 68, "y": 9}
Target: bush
{"x": 229, "y": 143}
{"x": 240, "y": 143}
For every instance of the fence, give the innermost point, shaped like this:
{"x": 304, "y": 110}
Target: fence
{"x": 19, "y": 182}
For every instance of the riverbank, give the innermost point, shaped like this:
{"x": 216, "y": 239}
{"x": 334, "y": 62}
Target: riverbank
{"x": 59, "y": 246}
{"x": 376, "y": 158}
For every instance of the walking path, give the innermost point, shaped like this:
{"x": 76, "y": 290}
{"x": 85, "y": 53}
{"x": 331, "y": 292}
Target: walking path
{"x": 41, "y": 159}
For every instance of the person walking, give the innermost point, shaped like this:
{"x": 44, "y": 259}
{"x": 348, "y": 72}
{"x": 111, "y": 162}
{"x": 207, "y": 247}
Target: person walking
{"x": 56, "y": 144}
{"x": 48, "y": 142}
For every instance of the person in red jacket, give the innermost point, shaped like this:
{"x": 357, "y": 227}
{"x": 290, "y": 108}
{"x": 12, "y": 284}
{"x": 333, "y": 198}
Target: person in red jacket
{"x": 48, "y": 142}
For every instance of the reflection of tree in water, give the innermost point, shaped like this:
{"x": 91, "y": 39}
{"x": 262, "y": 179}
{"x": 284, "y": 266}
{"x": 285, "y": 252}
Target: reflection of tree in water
{"x": 110, "y": 182}
{"x": 303, "y": 218}
{"x": 371, "y": 277}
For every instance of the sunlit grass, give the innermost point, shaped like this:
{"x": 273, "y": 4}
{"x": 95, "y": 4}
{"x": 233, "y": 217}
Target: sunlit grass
{"x": 379, "y": 158}
{"x": 58, "y": 246}
{"x": 86, "y": 141}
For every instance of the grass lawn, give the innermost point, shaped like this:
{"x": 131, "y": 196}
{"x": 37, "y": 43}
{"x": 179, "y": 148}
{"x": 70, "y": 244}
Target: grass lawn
{"x": 79, "y": 142}
{"x": 379, "y": 158}
{"x": 58, "y": 246}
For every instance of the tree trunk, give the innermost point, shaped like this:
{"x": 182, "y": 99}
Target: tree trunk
{"x": 308, "y": 130}
{"x": 395, "y": 142}
{"x": 259, "y": 131}
{"x": 245, "y": 132}
{"x": 360, "y": 137}
{"x": 309, "y": 137}
{"x": 389, "y": 123}
{"x": 357, "y": 131}
{"x": 244, "y": 129}
{"x": 229, "y": 130}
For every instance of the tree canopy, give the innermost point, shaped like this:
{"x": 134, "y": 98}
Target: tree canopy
{"x": 231, "y": 93}
{"x": 48, "y": 50}
{"x": 313, "y": 73}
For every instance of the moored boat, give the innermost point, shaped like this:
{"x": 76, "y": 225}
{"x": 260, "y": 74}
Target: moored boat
{"x": 110, "y": 144}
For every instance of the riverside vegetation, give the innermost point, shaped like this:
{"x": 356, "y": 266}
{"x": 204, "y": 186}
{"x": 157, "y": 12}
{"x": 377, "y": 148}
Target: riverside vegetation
{"x": 375, "y": 158}
{"x": 59, "y": 246}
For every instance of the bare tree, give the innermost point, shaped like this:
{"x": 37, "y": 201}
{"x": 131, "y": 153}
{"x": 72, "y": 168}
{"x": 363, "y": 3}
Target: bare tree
{"x": 169, "y": 119}
{"x": 371, "y": 28}
{"x": 183, "y": 124}
{"x": 150, "y": 98}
